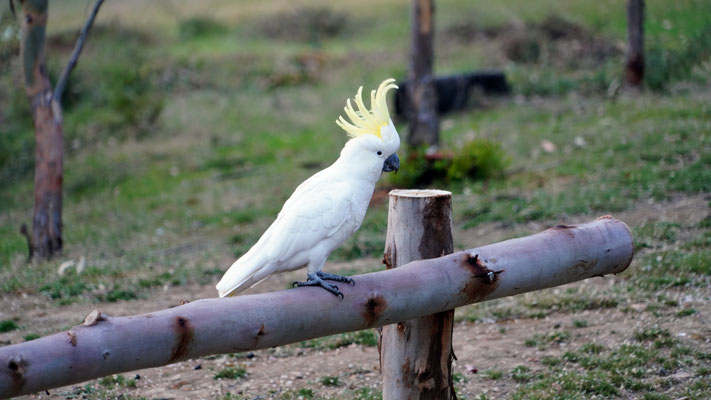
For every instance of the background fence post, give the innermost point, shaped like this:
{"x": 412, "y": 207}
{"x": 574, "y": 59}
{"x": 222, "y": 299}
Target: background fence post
{"x": 416, "y": 355}
{"x": 634, "y": 66}
{"x": 423, "y": 121}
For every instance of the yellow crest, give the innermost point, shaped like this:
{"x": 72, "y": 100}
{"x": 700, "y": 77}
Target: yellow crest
{"x": 364, "y": 121}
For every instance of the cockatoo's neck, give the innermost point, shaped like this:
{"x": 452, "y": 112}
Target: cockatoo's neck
{"x": 356, "y": 163}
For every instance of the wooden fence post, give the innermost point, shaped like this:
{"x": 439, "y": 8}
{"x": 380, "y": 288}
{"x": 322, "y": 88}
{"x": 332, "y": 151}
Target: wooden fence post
{"x": 423, "y": 120}
{"x": 416, "y": 355}
{"x": 634, "y": 66}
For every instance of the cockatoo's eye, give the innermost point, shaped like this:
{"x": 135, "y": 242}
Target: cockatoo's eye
{"x": 380, "y": 153}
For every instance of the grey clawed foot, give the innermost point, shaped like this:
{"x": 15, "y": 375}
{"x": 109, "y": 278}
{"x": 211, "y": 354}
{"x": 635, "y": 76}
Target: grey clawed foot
{"x": 337, "y": 278}
{"x": 315, "y": 280}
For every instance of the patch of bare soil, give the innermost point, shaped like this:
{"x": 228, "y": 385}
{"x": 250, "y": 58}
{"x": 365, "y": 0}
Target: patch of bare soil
{"x": 478, "y": 346}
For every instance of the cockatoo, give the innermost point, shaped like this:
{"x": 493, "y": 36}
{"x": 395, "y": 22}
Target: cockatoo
{"x": 328, "y": 207}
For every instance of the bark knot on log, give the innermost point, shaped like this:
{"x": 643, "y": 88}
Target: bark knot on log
{"x": 373, "y": 309}
{"x": 16, "y": 369}
{"x": 260, "y": 333}
{"x": 563, "y": 226}
{"x": 185, "y": 335}
{"x": 72, "y": 338}
{"x": 484, "y": 279}
{"x": 388, "y": 258}
{"x": 480, "y": 270}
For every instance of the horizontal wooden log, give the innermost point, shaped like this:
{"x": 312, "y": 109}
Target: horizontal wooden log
{"x": 106, "y": 345}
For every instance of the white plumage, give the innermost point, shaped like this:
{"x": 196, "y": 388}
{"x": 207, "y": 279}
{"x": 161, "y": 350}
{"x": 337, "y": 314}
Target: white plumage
{"x": 326, "y": 208}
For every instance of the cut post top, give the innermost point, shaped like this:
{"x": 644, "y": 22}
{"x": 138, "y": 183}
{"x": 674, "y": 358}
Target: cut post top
{"x": 417, "y": 193}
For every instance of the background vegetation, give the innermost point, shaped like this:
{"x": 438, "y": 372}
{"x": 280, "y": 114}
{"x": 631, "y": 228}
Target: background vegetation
{"x": 188, "y": 124}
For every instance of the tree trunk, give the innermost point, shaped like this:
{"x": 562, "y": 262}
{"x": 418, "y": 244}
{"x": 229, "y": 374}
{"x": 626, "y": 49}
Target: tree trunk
{"x": 634, "y": 67}
{"x": 421, "y": 90}
{"x": 46, "y": 237}
{"x": 416, "y": 355}
{"x": 104, "y": 345}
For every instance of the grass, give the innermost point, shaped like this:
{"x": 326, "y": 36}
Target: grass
{"x": 117, "y": 380}
{"x": 158, "y": 163}
{"x": 30, "y": 336}
{"x": 494, "y": 374}
{"x": 628, "y": 370}
{"x": 182, "y": 144}
{"x": 330, "y": 380}
{"x": 8, "y": 325}
{"x": 540, "y": 340}
{"x": 580, "y": 323}
{"x": 231, "y": 373}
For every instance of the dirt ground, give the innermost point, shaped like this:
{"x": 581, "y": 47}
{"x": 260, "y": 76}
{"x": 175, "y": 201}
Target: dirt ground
{"x": 481, "y": 345}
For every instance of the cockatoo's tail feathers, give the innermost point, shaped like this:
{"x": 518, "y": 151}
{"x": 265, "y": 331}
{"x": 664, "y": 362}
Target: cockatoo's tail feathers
{"x": 364, "y": 121}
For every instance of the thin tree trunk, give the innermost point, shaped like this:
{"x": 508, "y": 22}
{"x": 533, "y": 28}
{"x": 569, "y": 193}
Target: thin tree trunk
{"x": 46, "y": 115}
{"x": 416, "y": 355}
{"x": 45, "y": 240}
{"x": 421, "y": 91}
{"x": 103, "y": 345}
{"x": 634, "y": 67}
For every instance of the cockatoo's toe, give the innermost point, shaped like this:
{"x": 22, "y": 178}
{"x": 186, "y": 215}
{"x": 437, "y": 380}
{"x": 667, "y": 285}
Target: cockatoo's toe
{"x": 315, "y": 280}
{"x": 337, "y": 278}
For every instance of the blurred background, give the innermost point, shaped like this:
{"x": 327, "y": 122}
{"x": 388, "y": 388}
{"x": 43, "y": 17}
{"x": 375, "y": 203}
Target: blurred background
{"x": 188, "y": 124}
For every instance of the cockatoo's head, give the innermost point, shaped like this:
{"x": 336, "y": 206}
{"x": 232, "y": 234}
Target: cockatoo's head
{"x": 374, "y": 139}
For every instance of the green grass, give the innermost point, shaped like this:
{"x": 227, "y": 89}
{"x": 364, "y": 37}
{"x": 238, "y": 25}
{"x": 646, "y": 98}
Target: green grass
{"x": 8, "y": 325}
{"x": 580, "y": 323}
{"x": 542, "y": 340}
{"x": 30, "y": 336}
{"x": 494, "y": 374}
{"x": 628, "y": 370}
{"x": 231, "y": 373}
{"x": 117, "y": 380}
{"x": 176, "y": 141}
{"x": 183, "y": 142}
{"x": 330, "y": 381}
{"x": 686, "y": 312}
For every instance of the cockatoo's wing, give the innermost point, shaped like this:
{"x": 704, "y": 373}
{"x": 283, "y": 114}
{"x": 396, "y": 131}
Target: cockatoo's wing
{"x": 318, "y": 209}
{"x": 314, "y": 213}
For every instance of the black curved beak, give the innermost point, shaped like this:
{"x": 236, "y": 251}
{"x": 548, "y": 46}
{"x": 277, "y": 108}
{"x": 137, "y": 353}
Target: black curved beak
{"x": 391, "y": 163}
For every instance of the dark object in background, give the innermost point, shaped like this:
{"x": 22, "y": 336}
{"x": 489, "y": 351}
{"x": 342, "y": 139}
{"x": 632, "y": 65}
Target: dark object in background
{"x": 634, "y": 66}
{"x": 454, "y": 91}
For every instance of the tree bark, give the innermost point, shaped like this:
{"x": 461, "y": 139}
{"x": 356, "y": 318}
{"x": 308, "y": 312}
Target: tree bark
{"x": 421, "y": 90}
{"x": 104, "y": 345}
{"x": 634, "y": 66}
{"x": 45, "y": 240}
{"x": 46, "y": 115}
{"x": 416, "y": 355}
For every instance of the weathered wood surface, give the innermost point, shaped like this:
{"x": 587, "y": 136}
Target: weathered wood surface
{"x": 416, "y": 355}
{"x": 107, "y": 345}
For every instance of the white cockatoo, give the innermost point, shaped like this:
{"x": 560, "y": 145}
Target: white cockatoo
{"x": 328, "y": 207}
